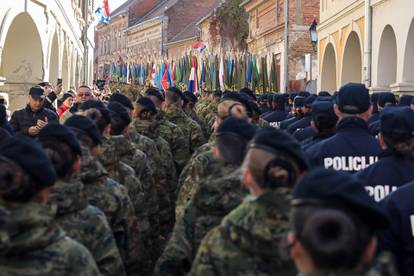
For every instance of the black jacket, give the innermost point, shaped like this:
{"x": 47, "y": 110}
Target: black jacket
{"x": 24, "y": 118}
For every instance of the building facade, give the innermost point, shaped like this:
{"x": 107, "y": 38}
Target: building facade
{"x": 266, "y": 38}
{"x": 40, "y": 40}
{"x": 353, "y": 50}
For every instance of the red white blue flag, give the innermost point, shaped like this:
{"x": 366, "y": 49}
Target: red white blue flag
{"x": 199, "y": 46}
{"x": 103, "y": 13}
{"x": 192, "y": 82}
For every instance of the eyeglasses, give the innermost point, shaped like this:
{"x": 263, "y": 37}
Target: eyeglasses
{"x": 84, "y": 95}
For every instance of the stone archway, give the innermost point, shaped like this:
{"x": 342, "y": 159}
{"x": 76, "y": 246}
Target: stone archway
{"x": 328, "y": 75}
{"x": 408, "y": 74}
{"x": 65, "y": 69}
{"x": 54, "y": 61}
{"x": 22, "y": 59}
{"x": 387, "y": 58}
{"x": 352, "y": 60}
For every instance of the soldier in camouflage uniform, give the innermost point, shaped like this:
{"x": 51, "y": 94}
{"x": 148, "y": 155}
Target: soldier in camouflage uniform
{"x": 251, "y": 239}
{"x": 31, "y": 241}
{"x": 215, "y": 196}
{"x": 352, "y": 219}
{"x": 175, "y": 114}
{"x": 189, "y": 103}
{"x": 106, "y": 194}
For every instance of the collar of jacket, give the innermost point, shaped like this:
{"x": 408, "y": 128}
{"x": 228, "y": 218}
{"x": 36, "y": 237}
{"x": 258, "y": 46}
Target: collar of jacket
{"x": 352, "y": 123}
{"x": 26, "y": 227}
{"x": 29, "y": 109}
{"x": 68, "y": 196}
{"x": 91, "y": 170}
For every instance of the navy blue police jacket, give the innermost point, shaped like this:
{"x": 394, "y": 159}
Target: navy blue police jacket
{"x": 290, "y": 119}
{"x": 351, "y": 149}
{"x": 302, "y": 123}
{"x": 318, "y": 137}
{"x": 304, "y": 133}
{"x": 276, "y": 117}
{"x": 387, "y": 175}
{"x": 374, "y": 117}
{"x": 375, "y": 128}
{"x": 398, "y": 237}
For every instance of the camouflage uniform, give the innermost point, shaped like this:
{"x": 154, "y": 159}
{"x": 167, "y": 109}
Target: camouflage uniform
{"x": 112, "y": 198}
{"x": 192, "y": 131}
{"x": 32, "y": 244}
{"x": 251, "y": 240}
{"x": 193, "y": 115}
{"x": 86, "y": 224}
{"x": 215, "y": 197}
{"x": 382, "y": 265}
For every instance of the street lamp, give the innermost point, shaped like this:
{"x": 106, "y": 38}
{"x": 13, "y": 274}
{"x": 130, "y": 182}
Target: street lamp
{"x": 314, "y": 40}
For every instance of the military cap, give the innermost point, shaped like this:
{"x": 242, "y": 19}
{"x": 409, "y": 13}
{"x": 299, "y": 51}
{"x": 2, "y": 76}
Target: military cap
{"x": 397, "y": 123}
{"x": 324, "y": 94}
{"x": 405, "y": 100}
{"x": 309, "y": 100}
{"x": 176, "y": 91}
{"x": 85, "y": 126}
{"x": 190, "y": 97}
{"x": 279, "y": 98}
{"x": 271, "y": 140}
{"x": 353, "y": 98}
{"x": 248, "y": 92}
{"x": 299, "y": 101}
{"x": 323, "y": 107}
{"x": 217, "y": 94}
{"x": 155, "y": 93}
{"x": 118, "y": 109}
{"x": 28, "y": 153}
{"x": 62, "y": 133}
{"x": 122, "y": 99}
{"x": 386, "y": 98}
{"x": 147, "y": 104}
{"x": 237, "y": 126}
{"x": 338, "y": 190}
{"x": 234, "y": 96}
{"x": 97, "y": 105}
{"x": 37, "y": 92}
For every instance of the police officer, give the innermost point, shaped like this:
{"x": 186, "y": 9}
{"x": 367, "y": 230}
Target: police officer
{"x": 396, "y": 163}
{"x": 298, "y": 108}
{"x": 31, "y": 119}
{"x": 333, "y": 227}
{"x": 384, "y": 99}
{"x": 405, "y": 100}
{"x": 352, "y": 148}
{"x": 323, "y": 121}
{"x": 32, "y": 243}
{"x": 375, "y": 113}
{"x": 279, "y": 111}
{"x": 307, "y": 116}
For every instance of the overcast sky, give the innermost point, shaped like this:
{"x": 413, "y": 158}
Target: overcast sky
{"x": 113, "y": 4}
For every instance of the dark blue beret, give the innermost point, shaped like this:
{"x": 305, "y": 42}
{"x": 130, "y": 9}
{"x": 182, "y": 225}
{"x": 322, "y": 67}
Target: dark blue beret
{"x": 299, "y": 101}
{"x": 237, "y": 126}
{"x": 190, "y": 97}
{"x": 374, "y": 97}
{"x": 406, "y": 99}
{"x": 323, "y": 107}
{"x": 85, "y": 126}
{"x": 97, "y": 105}
{"x": 118, "y": 109}
{"x": 279, "y": 98}
{"x": 386, "y": 98}
{"x": 234, "y": 96}
{"x": 338, "y": 190}
{"x": 397, "y": 123}
{"x": 309, "y": 100}
{"x": 324, "y": 94}
{"x": 147, "y": 104}
{"x": 304, "y": 94}
{"x": 29, "y": 154}
{"x": 271, "y": 140}
{"x": 122, "y": 99}
{"x": 156, "y": 93}
{"x": 62, "y": 133}
{"x": 353, "y": 98}
{"x": 248, "y": 92}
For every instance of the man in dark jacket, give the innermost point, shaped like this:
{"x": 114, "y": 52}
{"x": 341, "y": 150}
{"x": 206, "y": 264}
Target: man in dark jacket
{"x": 31, "y": 119}
{"x": 279, "y": 114}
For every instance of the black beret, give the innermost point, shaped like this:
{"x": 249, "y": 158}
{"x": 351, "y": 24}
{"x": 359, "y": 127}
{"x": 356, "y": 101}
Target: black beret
{"x": 147, "y": 104}
{"x": 299, "y": 101}
{"x": 254, "y": 107}
{"x": 86, "y": 126}
{"x": 37, "y": 92}
{"x": 190, "y": 97}
{"x": 237, "y": 126}
{"x": 154, "y": 92}
{"x": 176, "y": 91}
{"x": 122, "y": 99}
{"x": 248, "y": 92}
{"x": 324, "y": 94}
{"x": 120, "y": 110}
{"x": 353, "y": 98}
{"x": 62, "y": 133}
{"x": 29, "y": 154}
{"x": 397, "y": 123}
{"x": 386, "y": 98}
{"x": 279, "y": 98}
{"x": 234, "y": 96}
{"x": 270, "y": 139}
{"x": 309, "y": 100}
{"x": 406, "y": 99}
{"x": 97, "y": 105}
{"x": 341, "y": 190}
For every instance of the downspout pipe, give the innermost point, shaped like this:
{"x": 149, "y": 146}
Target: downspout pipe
{"x": 368, "y": 45}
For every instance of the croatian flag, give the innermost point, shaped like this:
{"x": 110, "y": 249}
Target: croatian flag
{"x": 103, "y": 13}
{"x": 199, "y": 46}
{"x": 192, "y": 82}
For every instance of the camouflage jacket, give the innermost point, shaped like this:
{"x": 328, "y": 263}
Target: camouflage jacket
{"x": 112, "y": 198}
{"x": 193, "y": 115}
{"x": 86, "y": 224}
{"x": 32, "y": 244}
{"x": 251, "y": 240}
{"x": 192, "y": 131}
{"x": 215, "y": 197}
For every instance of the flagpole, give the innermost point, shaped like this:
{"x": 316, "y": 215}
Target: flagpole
{"x": 286, "y": 46}
{"x": 85, "y": 43}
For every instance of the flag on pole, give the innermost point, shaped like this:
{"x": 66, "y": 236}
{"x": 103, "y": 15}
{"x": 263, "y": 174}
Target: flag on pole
{"x": 154, "y": 77}
{"x": 103, "y": 13}
{"x": 164, "y": 81}
{"x": 221, "y": 74}
{"x": 192, "y": 82}
{"x": 199, "y": 46}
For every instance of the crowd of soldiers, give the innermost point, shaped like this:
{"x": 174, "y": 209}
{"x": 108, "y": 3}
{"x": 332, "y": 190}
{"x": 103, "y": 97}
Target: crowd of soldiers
{"x": 223, "y": 183}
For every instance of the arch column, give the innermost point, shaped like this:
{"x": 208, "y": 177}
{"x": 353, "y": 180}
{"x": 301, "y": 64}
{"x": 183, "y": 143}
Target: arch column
{"x": 352, "y": 60}
{"x": 328, "y": 74}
